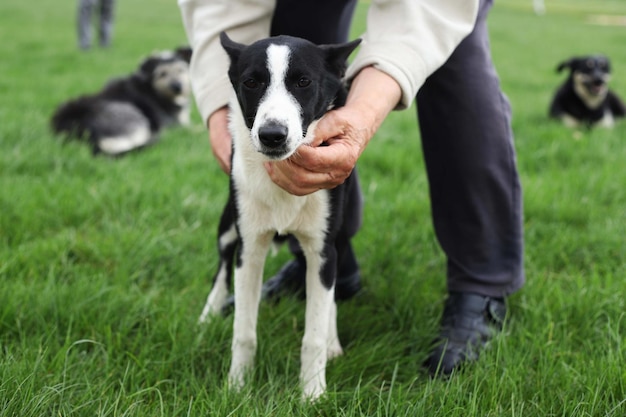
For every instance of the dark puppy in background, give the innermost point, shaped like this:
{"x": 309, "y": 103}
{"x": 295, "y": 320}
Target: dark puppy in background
{"x": 131, "y": 111}
{"x": 584, "y": 99}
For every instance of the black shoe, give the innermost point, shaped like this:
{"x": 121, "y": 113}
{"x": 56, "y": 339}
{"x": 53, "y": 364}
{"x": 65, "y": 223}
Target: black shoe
{"x": 290, "y": 279}
{"x": 468, "y": 323}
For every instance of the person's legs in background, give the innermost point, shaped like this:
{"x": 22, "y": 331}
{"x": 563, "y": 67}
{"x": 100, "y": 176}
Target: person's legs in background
{"x": 107, "y": 9}
{"x": 84, "y": 15}
{"x": 465, "y": 124}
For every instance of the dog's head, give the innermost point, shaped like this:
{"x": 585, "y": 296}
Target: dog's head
{"x": 590, "y": 76}
{"x": 283, "y": 84}
{"x": 168, "y": 74}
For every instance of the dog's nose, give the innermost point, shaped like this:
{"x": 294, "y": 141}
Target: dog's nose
{"x": 273, "y": 135}
{"x": 176, "y": 87}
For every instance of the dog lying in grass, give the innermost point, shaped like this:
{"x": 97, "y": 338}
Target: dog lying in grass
{"x": 130, "y": 112}
{"x": 584, "y": 99}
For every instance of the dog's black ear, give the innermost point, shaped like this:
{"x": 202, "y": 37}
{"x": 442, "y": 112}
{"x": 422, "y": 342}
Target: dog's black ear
{"x": 232, "y": 48}
{"x": 606, "y": 62}
{"x": 565, "y": 64}
{"x": 146, "y": 68}
{"x": 337, "y": 55}
{"x": 184, "y": 53}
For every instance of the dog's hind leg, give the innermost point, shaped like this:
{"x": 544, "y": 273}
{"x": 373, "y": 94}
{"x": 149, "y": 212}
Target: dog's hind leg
{"x": 320, "y": 284}
{"x": 334, "y": 346}
{"x": 227, "y": 242}
{"x": 248, "y": 282}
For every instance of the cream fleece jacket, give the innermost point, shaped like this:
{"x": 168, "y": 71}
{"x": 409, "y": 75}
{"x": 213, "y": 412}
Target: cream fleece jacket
{"x": 407, "y": 39}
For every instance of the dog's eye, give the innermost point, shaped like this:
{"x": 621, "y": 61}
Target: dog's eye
{"x": 303, "y": 82}
{"x": 251, "y": 83}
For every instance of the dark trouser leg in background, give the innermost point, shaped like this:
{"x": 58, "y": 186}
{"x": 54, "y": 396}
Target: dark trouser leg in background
{"x": 106, "y": 21}
{"x": 83, "y": 22}
{"x": 475, "y": 194}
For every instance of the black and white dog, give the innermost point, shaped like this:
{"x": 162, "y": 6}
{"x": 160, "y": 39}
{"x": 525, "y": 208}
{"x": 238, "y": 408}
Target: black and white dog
{"x": 131, "y": 111}
{"x": 584, "y": 99}
{"x": 283, "y": 85}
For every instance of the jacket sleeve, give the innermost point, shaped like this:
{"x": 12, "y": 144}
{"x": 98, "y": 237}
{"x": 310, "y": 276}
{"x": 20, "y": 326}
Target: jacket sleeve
{"x": 410, "y": 39}
{"x": 407, "y": 39}
{"x": 245, "y": 21}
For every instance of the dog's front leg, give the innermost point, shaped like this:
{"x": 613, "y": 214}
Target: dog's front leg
{"x": 248, "y": 282}
{"x": 320, "y": 275}
{"x": 334, "y": 346}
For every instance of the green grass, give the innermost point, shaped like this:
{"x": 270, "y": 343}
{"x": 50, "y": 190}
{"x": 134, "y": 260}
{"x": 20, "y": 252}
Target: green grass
{"x": 105, "y": 264}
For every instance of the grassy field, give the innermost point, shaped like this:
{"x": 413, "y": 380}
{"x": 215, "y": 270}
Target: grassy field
{"x": 105, "y": 264}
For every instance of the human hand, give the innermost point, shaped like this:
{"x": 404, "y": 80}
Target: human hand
{"x": 339, "y": 139}
{"x": 220, "y": 138}
{"x": 346, "y": 131}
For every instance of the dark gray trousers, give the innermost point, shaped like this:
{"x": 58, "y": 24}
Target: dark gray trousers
{"x": 85, "y": 15}
{"x": 476, "y": 199}
{"x": 465, "y": 125}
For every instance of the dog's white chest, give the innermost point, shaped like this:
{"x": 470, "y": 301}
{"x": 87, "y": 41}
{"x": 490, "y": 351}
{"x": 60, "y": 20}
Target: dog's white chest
{"x": 264, "y": 205}
{"x": 267, "y": 207}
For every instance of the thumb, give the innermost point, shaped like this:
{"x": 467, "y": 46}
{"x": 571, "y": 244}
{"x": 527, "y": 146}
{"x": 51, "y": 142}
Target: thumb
{"x": 325, "y": 129}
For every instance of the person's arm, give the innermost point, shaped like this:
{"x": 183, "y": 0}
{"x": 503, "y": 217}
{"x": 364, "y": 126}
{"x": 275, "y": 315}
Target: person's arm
{"x": 220, "y": 138}
{"x": 204, "y": 20}
{"x": 405, "y": 42}
{"x": 346, "y": 130}
{"x": 411, "y": 39}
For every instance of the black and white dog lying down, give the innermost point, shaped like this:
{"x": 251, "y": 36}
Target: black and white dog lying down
{"x": 283, "y": 85}
{"x": 131, "y": 111}
{"x": 584, "y": 99}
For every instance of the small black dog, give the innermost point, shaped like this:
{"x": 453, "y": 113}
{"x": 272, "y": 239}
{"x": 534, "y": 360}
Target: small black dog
{"x": 584, "y": 99}
{"x": 130, "y": 112}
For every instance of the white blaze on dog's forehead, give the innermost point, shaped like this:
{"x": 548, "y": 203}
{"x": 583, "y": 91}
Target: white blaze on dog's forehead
{"x": 277, "y": 63}
{"x": 277, "y": 96}
{"x": 278, "y": 105}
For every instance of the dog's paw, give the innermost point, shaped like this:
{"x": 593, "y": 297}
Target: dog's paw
{"x": 206, "y": 317}
{"x": 237, "y": 376}
{"x": 215, "y": 302}
{"x": 209, "y": 313}
{"x": 334, "y": 350}
{"x": 312, "y": 391}
{"x": 236, "y": 382}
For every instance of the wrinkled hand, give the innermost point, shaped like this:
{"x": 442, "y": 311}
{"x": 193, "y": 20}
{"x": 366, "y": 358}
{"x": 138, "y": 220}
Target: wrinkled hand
{"x": 340, "y": 138}
{"x": 220, "y": 138}
{"x": 346, "y": 131}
